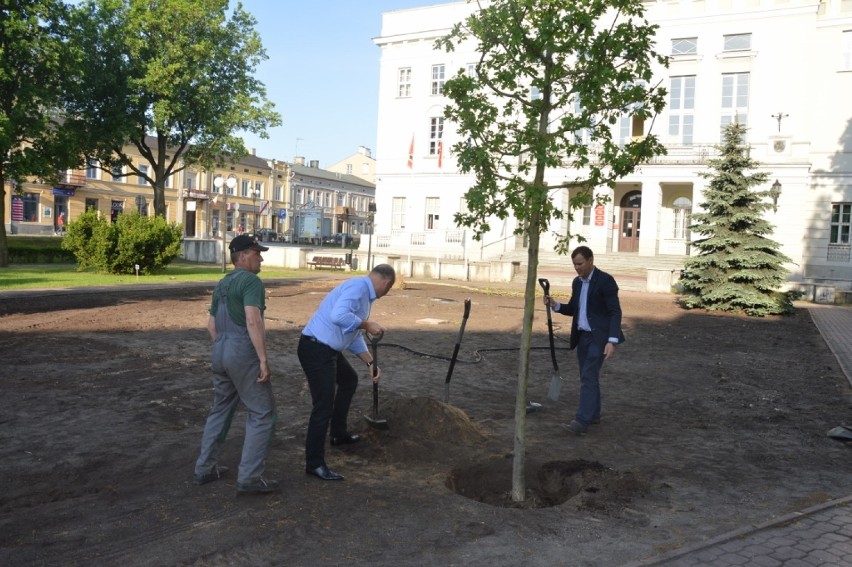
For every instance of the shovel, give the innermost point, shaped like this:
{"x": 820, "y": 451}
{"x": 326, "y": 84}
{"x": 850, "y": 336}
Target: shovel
{"x": 456, "y": 352}
{"x": 375, "y": 421}
{"x": 555, "y": 378}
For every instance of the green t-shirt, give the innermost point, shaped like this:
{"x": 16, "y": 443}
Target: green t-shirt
{"x": 245, "y": 288}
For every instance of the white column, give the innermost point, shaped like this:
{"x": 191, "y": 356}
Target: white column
{"x": 649, "y": 231}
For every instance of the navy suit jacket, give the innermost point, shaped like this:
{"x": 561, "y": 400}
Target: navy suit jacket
{"x": 603, "y": 309}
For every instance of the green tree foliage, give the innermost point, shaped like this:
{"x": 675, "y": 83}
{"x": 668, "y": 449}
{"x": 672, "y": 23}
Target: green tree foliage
{"x": 553, "y": 80}
{"x": 117, "y": 248}
{"x": 738, "y": 267}
{"x": 173, "y": 78}
{"x": 33, "y": 69}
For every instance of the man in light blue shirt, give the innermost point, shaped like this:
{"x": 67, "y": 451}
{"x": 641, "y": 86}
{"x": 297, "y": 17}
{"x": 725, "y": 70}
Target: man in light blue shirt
{"x": 335, "y": 327}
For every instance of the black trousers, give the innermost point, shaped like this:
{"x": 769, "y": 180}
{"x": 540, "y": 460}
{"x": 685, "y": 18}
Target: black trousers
{"x": 332, "y": 382}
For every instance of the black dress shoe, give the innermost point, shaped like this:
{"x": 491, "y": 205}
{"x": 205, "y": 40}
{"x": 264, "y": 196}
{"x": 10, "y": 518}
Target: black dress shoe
{"x": 345, "y": 440}
{"x": 324, "y": 473}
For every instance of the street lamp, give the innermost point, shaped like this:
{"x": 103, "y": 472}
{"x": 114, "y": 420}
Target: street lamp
{"x": 775, "y": 192}
{"x": 255, "y": 195}
{"x": 371, "y": 208}
{"x": 230, "y": 183}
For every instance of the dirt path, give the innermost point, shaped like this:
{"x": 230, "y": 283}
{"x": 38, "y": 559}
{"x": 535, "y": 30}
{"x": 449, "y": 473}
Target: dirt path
{"x": 710, "y": 423}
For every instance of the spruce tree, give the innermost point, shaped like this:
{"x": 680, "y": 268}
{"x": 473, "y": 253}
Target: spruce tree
{"x": 738, "y": 268}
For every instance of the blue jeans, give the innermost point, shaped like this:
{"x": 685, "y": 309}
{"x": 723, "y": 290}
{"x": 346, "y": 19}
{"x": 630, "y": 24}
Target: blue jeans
{"x": 590, "y": 355}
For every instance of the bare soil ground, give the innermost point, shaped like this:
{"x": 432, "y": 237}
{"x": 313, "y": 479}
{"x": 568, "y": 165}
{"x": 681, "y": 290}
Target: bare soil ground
{"x": 711, "y": 422}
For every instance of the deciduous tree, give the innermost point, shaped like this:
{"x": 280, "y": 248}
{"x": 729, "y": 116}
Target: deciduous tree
{"x": 173, "y": 79}
{"x": 33, "y": 68}
{"x": 553, "y": 79}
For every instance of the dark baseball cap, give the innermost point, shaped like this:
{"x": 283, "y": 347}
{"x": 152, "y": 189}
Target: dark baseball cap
{"x": 245, "y": 242}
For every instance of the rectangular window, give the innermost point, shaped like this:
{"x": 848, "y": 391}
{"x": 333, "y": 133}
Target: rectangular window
{"x": 681, "y": 222}
{"x": 432, "y": 212}
{"x": 189, "y": 181}
{"x": 258, "y": 190}
{"x": 91, "y": 204}
{"x": 587, "y": 215}
{"x": 91, "y": 168}
{"x": 682, "y": 109}
{"x": 30, "y": 207}
{"x": 624, "y": 125}
{"x": 244, "y": 188}
{"x": 583, "y": 135}
{"x": 404, "y": 82}
{"x": 143, "y": 171}
{"x": 841, "y": 220}
{"x": 116, "y": 172}
{"x": 737, "y": 42}
{"x": 278, "y": 192}
{"x": 168, "y": 184}
{"x": 398, "y": 213}
{"x": 436, "y": 134}
{"x": 735, "y": 88}
{"x": 470, "y": 69}
{"x": 216, "y": 218}
{"x": 846, "y": 63}
{"x": 437, "y": 79}
{"x": 685, "y": 46}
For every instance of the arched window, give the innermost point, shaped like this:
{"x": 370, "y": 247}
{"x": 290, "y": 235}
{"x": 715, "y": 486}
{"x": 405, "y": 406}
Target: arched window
{"x": 682, "y": 207}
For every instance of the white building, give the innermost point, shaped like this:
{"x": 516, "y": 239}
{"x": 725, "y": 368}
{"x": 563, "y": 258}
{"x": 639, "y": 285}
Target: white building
{"x": 783, "y": 67}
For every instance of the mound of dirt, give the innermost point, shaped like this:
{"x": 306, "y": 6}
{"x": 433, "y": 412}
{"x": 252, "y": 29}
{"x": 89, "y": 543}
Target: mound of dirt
{"x": 419, "y": 429}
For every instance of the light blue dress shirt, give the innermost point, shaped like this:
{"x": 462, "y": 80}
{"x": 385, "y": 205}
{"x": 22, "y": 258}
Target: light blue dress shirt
{"x": 337, "y": 320}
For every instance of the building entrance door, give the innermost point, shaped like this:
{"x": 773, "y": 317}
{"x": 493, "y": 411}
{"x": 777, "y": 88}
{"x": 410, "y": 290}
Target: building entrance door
{"x": 189, "y": 225}
{"x": 628, "y": 240}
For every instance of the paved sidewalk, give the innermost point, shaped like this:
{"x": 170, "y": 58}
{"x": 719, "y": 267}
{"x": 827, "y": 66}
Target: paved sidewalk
{"x": 821, "y": 535}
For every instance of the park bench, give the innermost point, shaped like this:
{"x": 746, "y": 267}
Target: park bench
{"x": 332, "y": 262}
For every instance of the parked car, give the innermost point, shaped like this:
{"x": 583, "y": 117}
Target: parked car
{"x": 338, "y": 239}
{"x": 267, "y": 235}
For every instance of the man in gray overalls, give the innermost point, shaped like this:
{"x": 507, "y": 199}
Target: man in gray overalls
{"x": 240, "y": 371}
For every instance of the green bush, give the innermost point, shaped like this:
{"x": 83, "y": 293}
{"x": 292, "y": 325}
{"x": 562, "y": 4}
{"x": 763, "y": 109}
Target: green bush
{"x": 117, "y": 248}
{"x": 80, "y": 239}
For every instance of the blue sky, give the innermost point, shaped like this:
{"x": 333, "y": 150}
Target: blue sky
{"x": 322, "y": 74}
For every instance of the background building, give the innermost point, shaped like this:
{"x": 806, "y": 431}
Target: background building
{"x": 267, "y": 194}
{"x": 782, "y": 67}
{"x": 360, "y": 164}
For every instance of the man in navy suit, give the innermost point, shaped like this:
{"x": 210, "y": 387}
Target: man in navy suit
{"x": 595, "y": 331}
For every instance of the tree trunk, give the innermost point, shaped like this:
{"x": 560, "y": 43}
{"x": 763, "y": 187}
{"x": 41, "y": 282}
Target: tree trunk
{"x": 160, "y": 198}
{"x": 519, "y": 487}
{"x": 4, "y": 242}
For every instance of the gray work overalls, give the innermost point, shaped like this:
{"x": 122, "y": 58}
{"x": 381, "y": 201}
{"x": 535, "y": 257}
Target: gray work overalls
{"x": 236, "y": 367}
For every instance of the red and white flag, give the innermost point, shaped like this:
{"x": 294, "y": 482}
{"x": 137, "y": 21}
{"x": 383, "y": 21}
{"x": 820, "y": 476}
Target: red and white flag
{"x": 440, "y": 154}
{"x": 411, "y": 153}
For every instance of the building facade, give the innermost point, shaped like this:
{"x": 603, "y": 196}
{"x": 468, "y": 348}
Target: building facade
{"x": 360, "y": 164}
{"x": 325, "y": 203}
{"x": 781, "y": 67}
{"x": 264, "y": 194}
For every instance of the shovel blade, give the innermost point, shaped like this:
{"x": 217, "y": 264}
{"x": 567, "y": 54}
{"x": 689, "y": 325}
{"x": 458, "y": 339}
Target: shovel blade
{"x": 555, "y": 387}
{"x": 377, "y": 423}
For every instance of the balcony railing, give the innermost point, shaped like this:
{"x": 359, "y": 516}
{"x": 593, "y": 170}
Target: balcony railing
{"x": 71, "y": 178}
